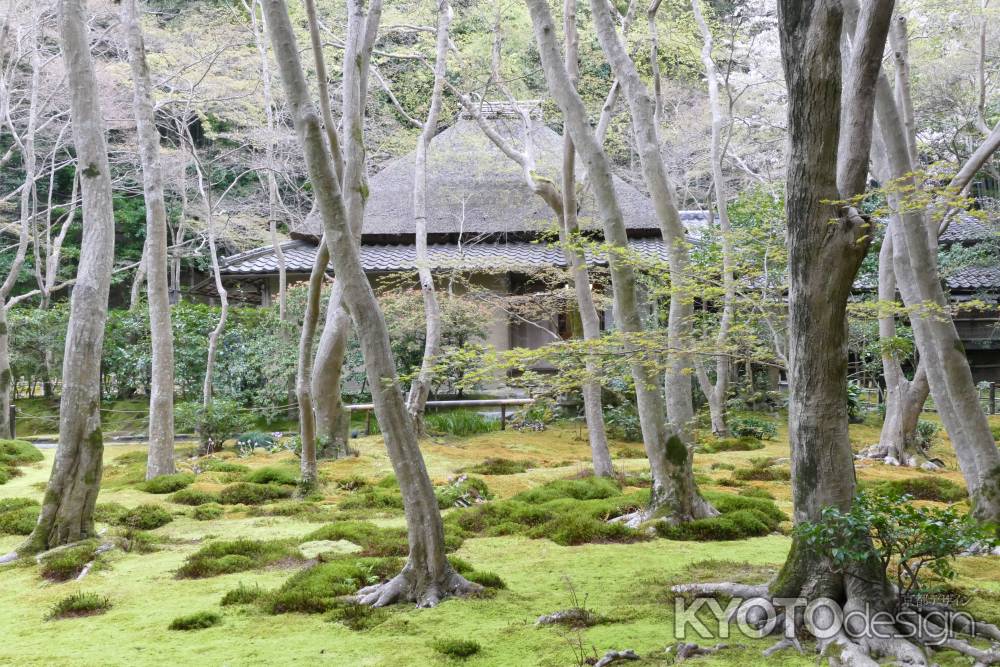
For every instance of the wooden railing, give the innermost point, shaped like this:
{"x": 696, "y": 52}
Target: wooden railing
{"x": 502, "y": 403}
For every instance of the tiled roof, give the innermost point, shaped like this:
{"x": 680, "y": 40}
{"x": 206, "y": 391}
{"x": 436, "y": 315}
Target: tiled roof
{"x": 967, "y": 229}
{"x": 300, "y": 255}
{"x": 975, "y": 278}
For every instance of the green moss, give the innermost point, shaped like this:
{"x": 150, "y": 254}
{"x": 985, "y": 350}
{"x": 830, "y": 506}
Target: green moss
{"x": 923, "y": 487}
{"x": 456, "y": 648}
{"x": 373, "y": 540}
{"x": 19, "y": 452}
{"x": 235, "y": 556}
{"x": 316, "y": 590}
{"x": 207, "y": 512}
{"x": 357, "y": 616}
{"x": 145, "y": 517}
{"x": 740, "y": 517}
{"x": 271, "y": 475}
{"x": 500, "y": 466}
{"x": 18, "y": 516}
{"x": 168, "y": 483}
{"x": 374, "y": 498}
{"x": 110, "y": 513}
{"x": 216, "y": 465}
{"x": 248, "y": 493}
{"x": 462, "y": 492}
{"x": 731, "y": 445}
{"x": 677, "y": 452}
{"x": 581, "y": 489}
{"x": 242, "y": 594}
{"x": 67, "y": 563}
{"x": 194, "y": 497}
{"x": 198, "y": 621}
{"x": 79, "y": 604}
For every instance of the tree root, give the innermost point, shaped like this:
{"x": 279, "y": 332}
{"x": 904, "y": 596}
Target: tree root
{"x": 404, "y": 588}
{"x": 612, "y": 656}
{"x": 733, "y": 590}
{"x": 787, "y": 642}
{"x": 7, "y": 559}
{"x": 687, "y": 650}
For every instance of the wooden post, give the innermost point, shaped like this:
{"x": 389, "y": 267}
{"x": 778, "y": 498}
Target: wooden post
{"x": 368, "y": 422}
{"x": 13, "y": 422}
{"x": 993, "y": 400}
{"x": 503, "y": 417}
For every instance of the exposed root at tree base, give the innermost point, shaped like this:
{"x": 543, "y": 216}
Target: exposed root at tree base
{"x": 404, "y": 588}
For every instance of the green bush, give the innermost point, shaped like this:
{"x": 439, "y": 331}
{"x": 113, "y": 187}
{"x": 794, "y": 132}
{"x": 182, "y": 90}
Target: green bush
{"x": 18, "y": 516}
{"x": 79, "y": 604}
{"x": 463, "y": 492}
{"x": 220, "y": 421}
{"x": 208, "y": 512}
{"x": 460, "y": 423}
{"x": 731, "y": 445}
{"x": 752, "y": 427}
{"x": 247, "y": 493}
{"x": 927, "y": 433}
{"x": 168, "y": 483}
{"x": 315, "y": 590}
{"x": 194, "y": 497}
{"x": 924, "y": 487}
{"x": 235, "y": 556}
{"x": 246, "y": 443}
{"x": 459, "y": 649}
{"x": 271, "y": 475}
{"x": 622, "y": 422}
{"x": 242, "y": 595}
{"x": 67, "y": 563}
{"x": 499, "y": 466}
{"x": 199, "y": 621}
{"x": 145, "y": 517}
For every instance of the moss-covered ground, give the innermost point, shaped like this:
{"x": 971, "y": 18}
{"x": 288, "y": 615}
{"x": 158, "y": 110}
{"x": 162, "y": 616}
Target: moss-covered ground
{"x": 626, "y": 584}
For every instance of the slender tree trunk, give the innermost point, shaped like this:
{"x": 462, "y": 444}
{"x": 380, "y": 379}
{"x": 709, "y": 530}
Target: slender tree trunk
{"x": 6, "y": 377}
{"x": 590, "y": 323}
{"x": 161, "y": 394}
{"x": 675, "y": 496}
{"x": 333, "y": 421}
{"x": 421, "y": 385}
{"x": 303, "y": 378}
{"x": 716, "y": 391}
{"x": 427, "y": 576}
{"x": 67, "y": 511}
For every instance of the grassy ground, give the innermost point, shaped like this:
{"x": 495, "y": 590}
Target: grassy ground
{"x": 626, "y": 583}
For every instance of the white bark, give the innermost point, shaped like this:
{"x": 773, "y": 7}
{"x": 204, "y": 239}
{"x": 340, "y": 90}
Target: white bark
{"x": 421, "y": 385}
{"x": 675, "y": 495}
{"x": 161, "y": 394}
{"x": 427, "y": 576}
{"x": 67, "y": 511}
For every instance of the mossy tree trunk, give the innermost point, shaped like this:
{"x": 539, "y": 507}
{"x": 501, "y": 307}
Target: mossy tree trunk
{"x": 67, "y": 509}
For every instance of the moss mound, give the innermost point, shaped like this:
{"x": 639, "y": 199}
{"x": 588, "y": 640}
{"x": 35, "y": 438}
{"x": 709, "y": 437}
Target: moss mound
{"x": 194, "y": 497}
{"x": 762, "y": 470}
{"x": 462, "y": 492}
{"x": 459, "y": 649}
{"x": 740, "y": 517}
{"x": 207, "y": 512}
{"x": 67, "y": 563}
{"x": 79, "y": 604}
{"x": 145, "y": 517}
{"x": 500, "y": 466}
{"x": 18, "y": 516}
{"x": 14, "y": 453}
{"x": 199, "y": 621}
{"x": 316, "y": 590}
{"x": 235, "y": 556}
{"x": 715, "y": 445}
{"x": 249, "y": 493}
{"x": 272, "y": 475}
{"x": 923, "y": 487}
{"x": 373, "y": 540}
{"x": 168, "y": 483}
{"x": 218, "y": 465}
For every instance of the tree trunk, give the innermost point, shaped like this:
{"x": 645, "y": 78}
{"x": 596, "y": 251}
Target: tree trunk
{"x": 161, "y": 394}
{"x": 421, "y": 385}
{"x": 590, "y": 323}
{"x": 303, "y": 377}
{"x": 67, "y": 510}
{"x": 675, "y": 496}
{"x": 6, "y": 377}
{"x": 427, "y": 576}
{"x": 333, "y": 422}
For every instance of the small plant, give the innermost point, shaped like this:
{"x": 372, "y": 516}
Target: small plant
{"x": 462, "y": 491}
{"x": 79, "y": 604}
{"x": 242, "y": 594}
{"x": 902, "y": 538}
{"x": 215, "y": 424}
{"x": 460, "y": 649}
{"x": 199, "y": 621}
{"x": 68, "y": 563}
{"x": 357, "y": 616}
{"x": 460, "y": 423}
{"x": 927, "y": 434}
{"x": 855, "y": 405}
{"x": 248, "y": 442}
{"x": 623, "y": 423}
{"x": 535, "y": 417}
{"x": 168, "y": 483}
{"x": 145, "y": 517}
{"x": 752, "y": 427}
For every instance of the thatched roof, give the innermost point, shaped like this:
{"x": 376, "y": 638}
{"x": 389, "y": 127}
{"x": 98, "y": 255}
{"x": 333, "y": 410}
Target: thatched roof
{"x": 473, "y": 188}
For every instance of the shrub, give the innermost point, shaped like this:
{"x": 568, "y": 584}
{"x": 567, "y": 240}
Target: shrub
{"x": 460, "y": 423}
{"x": 168, "y": 483}
{"x": 459, "y": 649}
{"x": 217, "y": 465}
{"x": 207, "y": 512}
{"x": 242, "y": 595}
{"x": 221, "y": 420}
{"x": 462, "y": 492}
{"x": 499, "y": 466}
{"x": 199, "y": 621}
{"x": 18, "y": 516}
{"x": 315, "y": 590}
{"x": 79, "y": 604}
{"x": 248, "y": 442}
{"x": 752, "y": 427}
{"x": 67, "y": 563}
{"x": 194, "y": 497}
{"x": 145, "y": 517}
{"x": 248, "y": 493}
{"x": 270, "y": 475}
{"x": 927, "y": 433}
{"x": 924, "y": 487}
{"x": 743, "y": 444}
{"x": 235, "y": 556}
{"x": 622, "y": 422}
